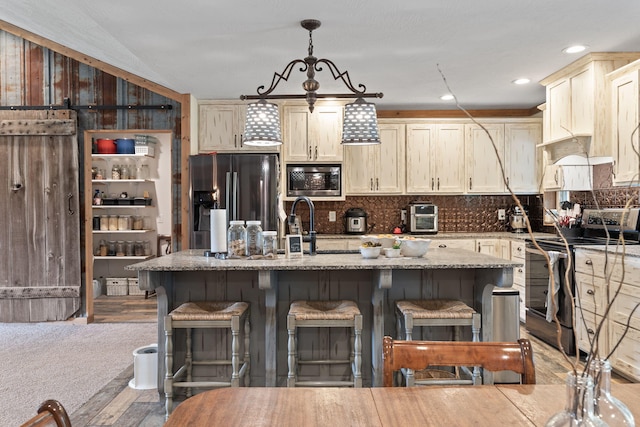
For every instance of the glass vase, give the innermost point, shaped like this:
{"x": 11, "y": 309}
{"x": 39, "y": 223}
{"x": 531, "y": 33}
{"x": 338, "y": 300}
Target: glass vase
{"x": 605, "y": 406}
{"x": 578, "y": 409}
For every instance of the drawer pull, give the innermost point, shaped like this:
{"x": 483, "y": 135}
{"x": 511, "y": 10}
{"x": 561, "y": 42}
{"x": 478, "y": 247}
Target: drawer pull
{"x": 442, "y": 245}
{"x": 520, "y": 270}
{"x": 588, "y": 262}
{"x": 590, "y": 292}
{"x": 519, "y": 249}
{"x": 590, "y": 331}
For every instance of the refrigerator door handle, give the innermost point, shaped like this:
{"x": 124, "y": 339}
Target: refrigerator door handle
{"x": 228, "y": 197}
{"x": 235, "y": 195}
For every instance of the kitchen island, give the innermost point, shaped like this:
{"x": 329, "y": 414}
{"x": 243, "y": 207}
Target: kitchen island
{"x": 270, "y": 285}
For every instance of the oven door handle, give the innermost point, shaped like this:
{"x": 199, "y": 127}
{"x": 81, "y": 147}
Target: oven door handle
{"x": 537, "y": 252}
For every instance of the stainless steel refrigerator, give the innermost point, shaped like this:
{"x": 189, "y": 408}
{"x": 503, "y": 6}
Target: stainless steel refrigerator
{"x": 246, "y": 185}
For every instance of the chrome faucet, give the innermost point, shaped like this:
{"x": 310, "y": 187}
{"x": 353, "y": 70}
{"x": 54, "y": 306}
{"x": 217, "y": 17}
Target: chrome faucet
{"x": 312, "y": 232}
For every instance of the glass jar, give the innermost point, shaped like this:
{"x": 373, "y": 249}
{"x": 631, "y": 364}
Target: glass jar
{"x": 137, "y": 223}
{"x": 113, "y": 222}
{"x": 104, "y": 222}
{"x": 115, "y": 172}
{"x": 578, "y": 410}
{"x": 146, "y": 248}
{"x": 236, "y": 238}
{"x": 111, "y": 248}
{"x": 102, "y": 248}
{"x": 605, "y": 406}
{"x": 254, "y": 238}
{"x": 124, "y": 172}
{"x": 120, "y": 248}
{"x": 138, "y": 249}
{"x": 128, "y": 248}
{"x": 270, "y": 243}
{"x": 124, "y": 222}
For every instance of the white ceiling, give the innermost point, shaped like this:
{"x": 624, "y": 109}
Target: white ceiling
{"x": 216, "y": 49}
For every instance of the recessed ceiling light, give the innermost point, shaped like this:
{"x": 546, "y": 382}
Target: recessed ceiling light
{"x": 447, "y": 97}
{"x": 575, "y": 49}
{"x": 522, "y": 81}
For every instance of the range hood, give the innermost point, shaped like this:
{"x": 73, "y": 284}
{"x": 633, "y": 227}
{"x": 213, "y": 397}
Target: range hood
{"x": 577, "y": 144}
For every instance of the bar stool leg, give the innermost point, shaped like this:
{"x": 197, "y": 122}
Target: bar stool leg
{"x": 408, "y": 332}
{"x": 189, "y": 360}
{"x": 247, "y": 354}
{"x": 357, "y": 347}
{"x": 168, "y": 362}
{"x": 291, "y": 351}
{"x": 235, "y": 351}
{"x": 475, "y": 330}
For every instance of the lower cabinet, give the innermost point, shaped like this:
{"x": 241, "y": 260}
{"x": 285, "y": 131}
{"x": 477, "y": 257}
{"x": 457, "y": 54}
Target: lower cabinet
{"x": 467, "y": 244}
{"x": 519, "y": 275}
{"x": 593, "y": 292}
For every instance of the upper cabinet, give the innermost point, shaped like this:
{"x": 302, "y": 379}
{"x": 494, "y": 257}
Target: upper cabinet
{"x": 483, "y": 167}
{"x": 625, "y": 118}
{"x": 577, "y": 105}
{"x": 220, "y": 127}
{"x": 377, "y": 169}
{"x": 312, "y": 137}
{"x": 515, "y": 144}
{"x": 435, "y": 158}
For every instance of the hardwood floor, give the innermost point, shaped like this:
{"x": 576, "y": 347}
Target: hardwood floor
{"x": 119, "y": 405}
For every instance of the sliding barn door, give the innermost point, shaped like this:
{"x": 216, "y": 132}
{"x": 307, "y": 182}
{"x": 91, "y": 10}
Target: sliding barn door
{"x": 40, "y": 276}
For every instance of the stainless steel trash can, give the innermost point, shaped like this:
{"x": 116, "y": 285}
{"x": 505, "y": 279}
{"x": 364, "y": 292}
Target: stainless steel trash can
{"x": 506, "y": 325}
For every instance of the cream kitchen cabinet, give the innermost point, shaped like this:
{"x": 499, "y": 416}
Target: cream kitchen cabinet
{"x": 625, "y": 118}
{"x": 568, "y": 177}
{"x": 483, "y": 168}
{"x": 377, "y": 169}
{"x": 500, "y": 248}
{"x": 519, "y": 275}
{"x": 435, "y": 158}
{"x": 577, "y": 103}
{"x": 220, "y": 128}
{"x": 515, "y": 143}
{"x": 595, "y": 291}
{"x": 312, "y": 137}
{"x": 520, "y": 158}
{"x": 466, "y": 244}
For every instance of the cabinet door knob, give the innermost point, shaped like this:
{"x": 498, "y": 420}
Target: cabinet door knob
{"x": 590, "y": 331}
{"x": 588, "y": 262}
{"x": 590, "y": 292}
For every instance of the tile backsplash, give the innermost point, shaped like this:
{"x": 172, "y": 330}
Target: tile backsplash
{"x": 462, "y": 214}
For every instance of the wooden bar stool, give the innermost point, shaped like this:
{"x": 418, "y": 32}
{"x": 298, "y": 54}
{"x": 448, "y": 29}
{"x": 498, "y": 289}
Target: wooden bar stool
{"x": 437, "y": 312}
{"x": 206, "y": 315}
{"x": 325, "y": 314}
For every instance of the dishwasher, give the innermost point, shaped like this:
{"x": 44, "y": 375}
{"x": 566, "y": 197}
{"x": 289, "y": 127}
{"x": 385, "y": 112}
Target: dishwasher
{"x": 506, "y": 326}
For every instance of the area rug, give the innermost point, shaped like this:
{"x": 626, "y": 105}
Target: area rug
{"x": 64, "y": 361}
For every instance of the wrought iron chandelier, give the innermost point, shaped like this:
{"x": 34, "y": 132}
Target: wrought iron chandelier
{"x": 360, "y": 124}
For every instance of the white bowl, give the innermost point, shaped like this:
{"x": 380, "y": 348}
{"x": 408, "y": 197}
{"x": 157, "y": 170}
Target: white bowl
{"x": 392, "y": 253}
{"x": 386, "y": 241}
{"x": 414, "y": 247}
{"x": 370, "y": 251}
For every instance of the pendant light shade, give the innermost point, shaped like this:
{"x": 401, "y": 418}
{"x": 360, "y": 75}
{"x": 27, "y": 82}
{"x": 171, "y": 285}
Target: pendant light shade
{"x": 262, "y": 125}
{"x": 360, "y": 124}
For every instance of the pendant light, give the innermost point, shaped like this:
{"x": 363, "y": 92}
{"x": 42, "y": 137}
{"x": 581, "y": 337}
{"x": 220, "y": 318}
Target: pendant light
{"x": 360, "y": 124}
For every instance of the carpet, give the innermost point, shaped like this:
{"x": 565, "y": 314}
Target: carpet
{"x": 64, "y": 361}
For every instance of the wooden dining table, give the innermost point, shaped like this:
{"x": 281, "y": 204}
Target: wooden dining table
{"x": 488, "y": 405}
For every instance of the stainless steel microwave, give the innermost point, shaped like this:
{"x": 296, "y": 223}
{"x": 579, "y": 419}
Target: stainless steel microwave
{"x": 314, "y": 180}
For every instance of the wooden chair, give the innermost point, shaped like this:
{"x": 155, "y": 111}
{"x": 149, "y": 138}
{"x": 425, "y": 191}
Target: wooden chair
{"x": 492, "y": 356}
{"x": 50, "y": 413}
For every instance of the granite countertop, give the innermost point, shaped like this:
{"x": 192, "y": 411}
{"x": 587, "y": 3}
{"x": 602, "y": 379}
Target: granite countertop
{"x": 630, "y": 250}
{"x": 488, "y": 235}
{"x": 436, "y": 258}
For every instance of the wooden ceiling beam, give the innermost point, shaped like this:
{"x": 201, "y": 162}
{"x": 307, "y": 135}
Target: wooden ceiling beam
{"x": 93, "y": 62}
{"x": 454, "y": 114}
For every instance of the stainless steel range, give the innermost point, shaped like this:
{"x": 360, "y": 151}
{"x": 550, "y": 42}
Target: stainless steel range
{"x": 595, "y": 226}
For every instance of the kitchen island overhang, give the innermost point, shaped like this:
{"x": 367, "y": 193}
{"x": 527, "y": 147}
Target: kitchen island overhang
{"x": 271, "y": 284}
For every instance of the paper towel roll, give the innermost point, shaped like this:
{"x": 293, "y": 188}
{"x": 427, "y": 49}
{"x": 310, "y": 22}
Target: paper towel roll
{"x": 218, "y": 230}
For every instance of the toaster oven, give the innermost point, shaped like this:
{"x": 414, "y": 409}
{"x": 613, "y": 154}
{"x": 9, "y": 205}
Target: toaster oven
{"x": 423, "y": 218}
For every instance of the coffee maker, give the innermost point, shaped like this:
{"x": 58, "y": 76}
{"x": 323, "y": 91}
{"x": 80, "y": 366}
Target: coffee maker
{"x": 517, "y": 220}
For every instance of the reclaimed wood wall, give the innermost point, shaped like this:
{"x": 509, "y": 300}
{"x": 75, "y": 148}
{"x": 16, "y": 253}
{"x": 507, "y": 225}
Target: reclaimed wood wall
{"x": 33, "y": 75}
